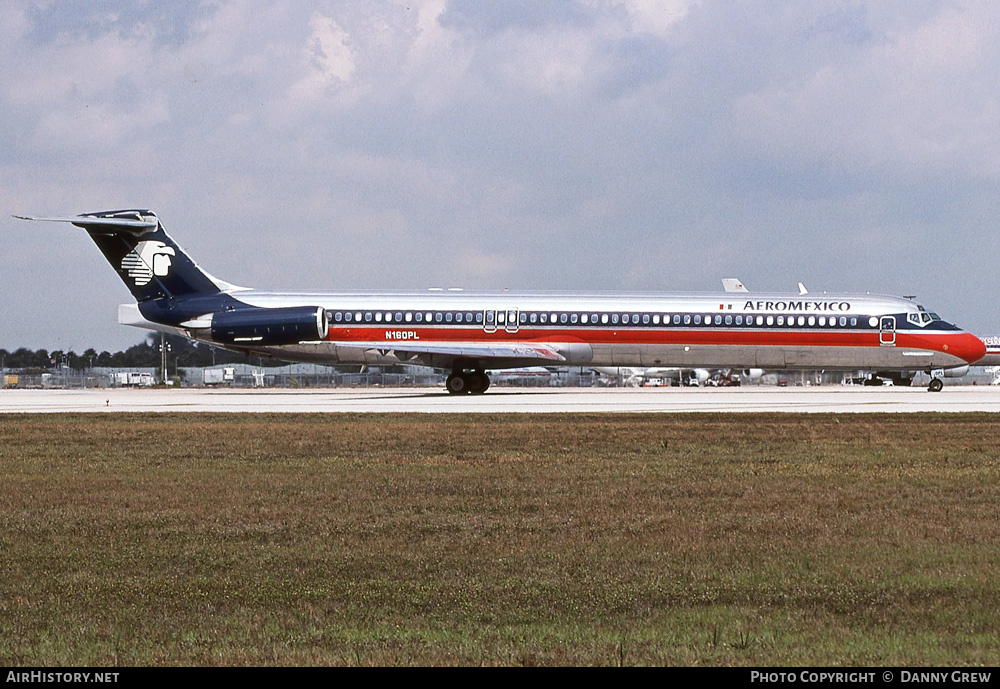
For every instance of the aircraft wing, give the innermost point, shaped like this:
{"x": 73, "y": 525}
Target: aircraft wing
{"x": 404, "y": 351}
{"x": 733, "y": 285}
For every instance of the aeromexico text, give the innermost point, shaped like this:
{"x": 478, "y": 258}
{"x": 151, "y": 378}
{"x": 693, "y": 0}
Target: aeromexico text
{"x": 803, "y": 306}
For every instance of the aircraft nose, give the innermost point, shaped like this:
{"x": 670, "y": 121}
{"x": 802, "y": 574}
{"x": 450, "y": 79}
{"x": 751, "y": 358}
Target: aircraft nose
{"x": 968, "y": 347}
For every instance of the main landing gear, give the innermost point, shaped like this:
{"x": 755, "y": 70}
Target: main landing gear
{"x": 471, "y": 382}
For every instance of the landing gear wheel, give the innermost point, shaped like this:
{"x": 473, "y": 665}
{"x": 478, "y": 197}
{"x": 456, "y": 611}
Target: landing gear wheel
{"x": 479, "y": 382}
{"x": 457, "y": 384}
{"x": 936, "y": 385}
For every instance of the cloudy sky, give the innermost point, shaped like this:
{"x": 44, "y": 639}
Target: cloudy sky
{"x": 580, "y": 144}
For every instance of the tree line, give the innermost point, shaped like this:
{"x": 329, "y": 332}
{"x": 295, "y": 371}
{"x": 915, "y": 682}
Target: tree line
{"x": 180, "y": 352}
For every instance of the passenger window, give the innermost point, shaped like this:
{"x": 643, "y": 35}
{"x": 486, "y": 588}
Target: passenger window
{"x": 573, "y": 318}
{"x": 458, "y": 317}
{"x": 770, "y": 320}
{"x": 438, "y": 317}
{"x": 729, "y": 320}
{"x": 562, "y": 318}
{"x": 739, "y": 320}
{"x": 604, "y": 318}
{"x": 760, "y": 320}
{"x": 534, "y": 318}
{"x": 812, "y": 320}
{"x": 677, "y": 319}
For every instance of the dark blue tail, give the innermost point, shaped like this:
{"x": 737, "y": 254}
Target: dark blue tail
{"x": 148, "y": 261}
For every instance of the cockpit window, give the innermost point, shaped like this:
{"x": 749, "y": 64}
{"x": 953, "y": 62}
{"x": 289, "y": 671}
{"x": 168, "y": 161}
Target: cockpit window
{"x": 922, "y": 318}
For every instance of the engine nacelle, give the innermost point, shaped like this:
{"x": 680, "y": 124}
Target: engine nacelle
{"x": 262, "y": 326}
{"x": 956, "y": 372}
{"x": 753, "y": 373}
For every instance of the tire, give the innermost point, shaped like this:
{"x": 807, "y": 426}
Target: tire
{"x": 457, "y": 384}
{"x": 936, "y": 385}
{"x": 479, "y": 383}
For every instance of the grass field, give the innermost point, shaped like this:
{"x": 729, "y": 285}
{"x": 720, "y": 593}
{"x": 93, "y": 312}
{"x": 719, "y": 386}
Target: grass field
{"x": 749, "y": 540}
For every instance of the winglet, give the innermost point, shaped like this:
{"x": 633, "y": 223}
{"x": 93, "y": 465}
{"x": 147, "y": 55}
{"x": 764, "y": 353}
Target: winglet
{"x": 802, "y": 289}
{"x": 733, "y": 285}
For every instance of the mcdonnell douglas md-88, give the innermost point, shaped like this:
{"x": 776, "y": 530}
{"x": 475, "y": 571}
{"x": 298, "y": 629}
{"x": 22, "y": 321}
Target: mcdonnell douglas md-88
{"x": 470, "y": 333}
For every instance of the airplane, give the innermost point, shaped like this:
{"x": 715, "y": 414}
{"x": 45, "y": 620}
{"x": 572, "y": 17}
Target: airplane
{"x": 470, "y": 333}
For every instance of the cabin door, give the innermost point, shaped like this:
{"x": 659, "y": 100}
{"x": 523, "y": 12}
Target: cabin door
{"x": 887, "y": 331}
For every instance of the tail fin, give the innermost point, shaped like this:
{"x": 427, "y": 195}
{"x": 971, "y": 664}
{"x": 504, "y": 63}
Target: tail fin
{"x": 147, "y": 260}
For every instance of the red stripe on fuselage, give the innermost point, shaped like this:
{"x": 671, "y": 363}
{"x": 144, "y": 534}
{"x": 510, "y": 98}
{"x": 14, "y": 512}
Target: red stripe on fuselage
{"x": 960, "y": 344}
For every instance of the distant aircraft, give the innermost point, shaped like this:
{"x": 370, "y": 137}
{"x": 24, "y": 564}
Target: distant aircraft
{"x": 992, "y": 356}
{"x": 645, "y": 375}
{"x": 470, "y": 333}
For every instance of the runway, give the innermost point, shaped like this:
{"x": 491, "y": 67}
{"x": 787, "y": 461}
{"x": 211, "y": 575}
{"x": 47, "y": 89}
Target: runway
{"x": 850, "y": 399}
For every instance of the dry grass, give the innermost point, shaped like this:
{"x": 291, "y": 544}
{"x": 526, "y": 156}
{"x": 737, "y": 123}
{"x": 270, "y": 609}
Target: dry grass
{"x": 509, "y": 540}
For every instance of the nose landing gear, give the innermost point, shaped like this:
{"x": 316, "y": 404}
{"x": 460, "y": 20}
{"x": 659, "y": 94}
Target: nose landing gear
{"x": 937, "y": 381}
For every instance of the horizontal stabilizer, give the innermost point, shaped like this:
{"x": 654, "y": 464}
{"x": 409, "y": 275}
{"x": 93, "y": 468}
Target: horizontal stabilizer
{"x": 135, "y": 224}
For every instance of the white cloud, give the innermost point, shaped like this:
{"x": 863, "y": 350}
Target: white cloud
{"x": 327, "y": 58}
{"x": 915, "y": 101}
{"x": 656, "y": 17}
